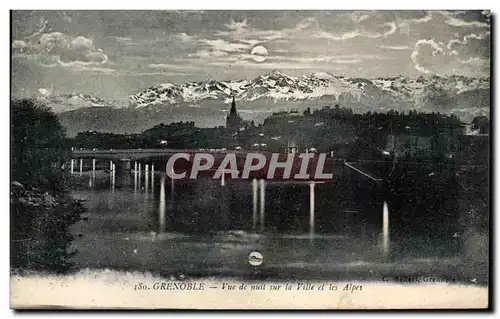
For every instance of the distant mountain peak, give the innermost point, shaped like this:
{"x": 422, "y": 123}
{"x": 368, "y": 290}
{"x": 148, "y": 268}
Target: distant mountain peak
{"x": 274, "y": 85}
{"x": 276, "y": 72}
{"x": 323, "y": 75}
{"x": 71, "y": 101}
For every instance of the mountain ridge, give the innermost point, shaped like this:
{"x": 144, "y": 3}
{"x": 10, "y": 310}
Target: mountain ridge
{"x": 207, "y": 102}
{"x": 277, "y": 86}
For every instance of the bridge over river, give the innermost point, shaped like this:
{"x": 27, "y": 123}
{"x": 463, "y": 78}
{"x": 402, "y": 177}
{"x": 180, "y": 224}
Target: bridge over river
{"x": 121, "y": 160}
{"x": 142, "y": 154}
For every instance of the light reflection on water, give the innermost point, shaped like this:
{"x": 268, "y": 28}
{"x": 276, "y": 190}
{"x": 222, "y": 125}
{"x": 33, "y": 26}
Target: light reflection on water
{"x": 136, "y": 221}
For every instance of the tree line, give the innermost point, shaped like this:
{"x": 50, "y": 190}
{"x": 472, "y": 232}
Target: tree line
{"x": 41, "y": 207}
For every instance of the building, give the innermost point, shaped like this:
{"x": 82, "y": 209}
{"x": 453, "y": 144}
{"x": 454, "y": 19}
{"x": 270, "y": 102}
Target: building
{"x": 292, "y": 147}
{"x": 233, "y": 120}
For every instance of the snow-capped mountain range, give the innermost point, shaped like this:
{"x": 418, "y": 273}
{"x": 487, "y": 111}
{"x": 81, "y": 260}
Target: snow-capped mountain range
{"x": 67, "y": 102}
{"x": 207, "y": 102}
{"x": 425, "y": 92}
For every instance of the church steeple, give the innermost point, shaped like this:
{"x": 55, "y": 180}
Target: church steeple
{"x": 233, "y": 107}
{"x": 233, "y": 121}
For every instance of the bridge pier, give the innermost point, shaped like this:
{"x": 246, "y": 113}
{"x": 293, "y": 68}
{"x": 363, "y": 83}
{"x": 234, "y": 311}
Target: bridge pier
{"x": 72, "y": 166}
{"x": 81, "y": 166}
{"x": 122, "y": 165}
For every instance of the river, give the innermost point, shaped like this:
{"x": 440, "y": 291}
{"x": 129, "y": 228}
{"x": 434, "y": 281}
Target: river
{"x": 202, "y": 228}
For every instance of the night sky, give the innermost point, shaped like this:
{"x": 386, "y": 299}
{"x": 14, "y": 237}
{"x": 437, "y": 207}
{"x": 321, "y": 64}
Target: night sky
{"x": 112, "y": 54}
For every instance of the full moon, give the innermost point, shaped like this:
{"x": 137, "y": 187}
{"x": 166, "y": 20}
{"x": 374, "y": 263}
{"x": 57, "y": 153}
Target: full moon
{"x": 255, "y": 258}
{"x": 259, "y": 53}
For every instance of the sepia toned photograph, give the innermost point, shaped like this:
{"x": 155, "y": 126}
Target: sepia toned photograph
{"x": 236, "y": 159}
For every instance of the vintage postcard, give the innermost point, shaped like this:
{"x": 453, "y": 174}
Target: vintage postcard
{"x": 250, "y": 159}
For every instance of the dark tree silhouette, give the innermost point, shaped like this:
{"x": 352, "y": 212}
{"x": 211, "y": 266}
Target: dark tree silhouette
{"x": 38, "y": 143}
{"x": 41, "y": 208}
{"x": 481, "y": 123}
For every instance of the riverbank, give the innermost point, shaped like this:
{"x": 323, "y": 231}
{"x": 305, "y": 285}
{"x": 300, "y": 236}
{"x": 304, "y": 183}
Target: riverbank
{"x": 98, "y": 289}
{"x": 39, "y": 227}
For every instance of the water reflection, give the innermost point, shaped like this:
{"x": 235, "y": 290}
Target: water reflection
{"x": 136, "y": 176}
{"x": 255, "y": 190}
{"x": 139, "y": 177}
{"x": 152, "y": 178}
{"x": 172, "y": 190}
{"x": 257, "y": 205}
{"x": 385, "y": 229}
{"x": 146, "y": 182}
{"x": 311, "y": 209}
{"x": 112, "y": 177}
{"x": 262, "y": 188}
{"x": 162, "y": 206}
{"x": 343, "y": 223}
